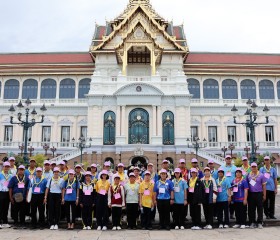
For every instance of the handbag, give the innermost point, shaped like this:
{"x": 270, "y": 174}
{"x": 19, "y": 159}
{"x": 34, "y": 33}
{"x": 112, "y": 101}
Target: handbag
{"x": 18, "y": 197}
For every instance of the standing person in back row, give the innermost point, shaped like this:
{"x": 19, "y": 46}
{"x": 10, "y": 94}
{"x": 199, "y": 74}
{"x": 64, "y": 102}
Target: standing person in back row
{"x": 270, "y": 174}
{"x": 194, "y": 163}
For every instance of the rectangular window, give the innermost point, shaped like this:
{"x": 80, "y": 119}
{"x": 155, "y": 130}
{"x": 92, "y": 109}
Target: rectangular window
{"x": 231, "y": 134}
{"x": 46, "y": 134}
{"x": 8, "y": 136}
{"x": 269, "y": 134}
{"x": 84, "y": 132}
{"x": 29, "y": 135}
{"x": 65, "y": 136}
{"x": 194, "y": 133}
{"x": 212, "y": 136}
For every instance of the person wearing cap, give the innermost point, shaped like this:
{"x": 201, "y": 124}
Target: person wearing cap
{"x": 78, "y": 173}
{"x": 53, "y": 198}
{"x": 180, "y": 199}
{"x": 87, "y": 200}
{"x": 270, "y": 174}
{"x": 184, "y": 170}
{"x": 256, "y": 197}
{"x": 53, "y": 165}
{"x": 136, "y": 172}
{"x": 122, "y": 175}
{"x": 213, "y": 171}
{"x": 154, "y": 175}
{"x": 195, "y": 198}
{"x": 94, "y": 173}
{"x": 116, "y": 201}
{"x": 146, "y": 204}
{"x": 18, "y": 190}
{"x": 30, "y": 172}
{"x": 107, "y": 167}
{"x": 223, "y": 198}
{"x": 132, "y": 201}
{"x": 165, "y": 165}
{"x": 194, "y": 163}
{"x": 240, "y": 194}
{"x": 5, "y": 178}
{"x": 13, "y": 168}
{"x": 102, "y": 187}
{"x": 48, "y": 173}
{"x": 70, "y": 198}
{"x": 164, "y": 198}
{"x": 63, "y": 171}
{"x": 210, "y": 196}
{"x": 38, "y": 186}
{"x": 246, "y": 169}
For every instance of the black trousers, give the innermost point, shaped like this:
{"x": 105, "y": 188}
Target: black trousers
{"x": 102, "y": 210}
{"x": 132, "y": 214}
{"x": 19, "y": 211}
{"x": 195, "y": 211}
{"x": 255, "y": 201}
{"x": 70, "y": 211}
{"x": 240, "y": 213}
{"x": 4, "y": 207}
{"x": 164, "y": 212}
{"x": 269, "y": 204}
{"x": 179, "y": 214}
{"x": 87, "y": 215}
{"x": 146, "y": 217}
{"x": 153, "y": 214}
{"x": 208, "y": 209}
{"x": 223, "y": 212}
{"x": 116, "y": 216}
{"x": 37, "y": 203}
{"x": 54, "y": 208}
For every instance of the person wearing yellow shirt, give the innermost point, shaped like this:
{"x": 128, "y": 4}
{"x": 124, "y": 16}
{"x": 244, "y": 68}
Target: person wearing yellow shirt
{"x": 121, "y": 173}
{"x": 136, "y": 172}
{"x": 146, "y": 200}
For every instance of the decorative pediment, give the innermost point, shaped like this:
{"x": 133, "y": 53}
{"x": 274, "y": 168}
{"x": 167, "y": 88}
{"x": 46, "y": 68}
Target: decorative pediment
{"x": 83, "y": 122}
{"x": 229, "y": 122}
{"x": 47, "y": 122}
{"x": 6, "y": 121}
{"x": 65, "y": 122}
{"x": 140, "y": 89}
{"x": 212, "y": 122}
{"x": 195, "y": 122}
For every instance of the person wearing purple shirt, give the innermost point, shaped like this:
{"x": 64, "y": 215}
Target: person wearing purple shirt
{"x": 256, "y": 196}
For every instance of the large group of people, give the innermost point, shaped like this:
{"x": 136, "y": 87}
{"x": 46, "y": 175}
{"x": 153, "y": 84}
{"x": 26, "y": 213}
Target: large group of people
{"x": 57, "y": 192}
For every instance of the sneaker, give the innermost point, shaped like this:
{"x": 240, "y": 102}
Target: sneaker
{"x": 226, "y": 226}
{"x": 84, "y": 228}
{"x": 182, "y": 228}
{"x": 99, "y": 228}
{"x": 6, "y": 225}
{"x": 55, "y": 227}
{"x": 1, "y": 226}
{"x": 198, "y": 228}
{"x": 193, "y": 228}
{"x": 114, "y": 228}
{"x": 221, "y": 226}
{"x": 253, "y": 225}
{"x": 52, "y": 227}
{"x": 206, "y": 227}
{"x": 176, "y": 228}
{"x": 104, "y": 228}
{"x": 88, "y": 228}
{"x": 119, "y": 228}
{"x": 236, "y": 226}
{"x": 242, "y": 227}
{"x": 209, "y": 227}
{"x": 260, "y": 226}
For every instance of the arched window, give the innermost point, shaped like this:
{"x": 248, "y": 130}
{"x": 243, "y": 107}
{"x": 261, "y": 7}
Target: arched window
{"x": 30, "y": 89}
{"x": 138, "y": 126}
{"x": 266, "y": 89}
{"x": 109, "y": 135}
{"x": 194, "y": 87}
{"x": 248, "y": 89}
{"x": 84, "y": 86}
{"x": 278, "y": 89}
{"x": 168, "y": 128}
{"x": 11, "y": 89}
{"x": 210, "y": 89}
{"x": 48, "y": 89}
{"x": 229, "y": 89}
{"x": 67, "y": 88}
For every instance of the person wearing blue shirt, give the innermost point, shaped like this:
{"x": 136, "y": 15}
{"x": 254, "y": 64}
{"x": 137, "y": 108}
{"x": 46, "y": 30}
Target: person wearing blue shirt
{"x": 38, "y": 187}
{"x": 270, "y": 174}
{"x": 180, "y": 199}
{"x": 213, "y": 171}
{"x": 223, "y": 199}
{"x": 70, "y": 198}
{"x": 30, "y": 172}
{"x": 18, "y": 188}
{"x": 163, "y": 198}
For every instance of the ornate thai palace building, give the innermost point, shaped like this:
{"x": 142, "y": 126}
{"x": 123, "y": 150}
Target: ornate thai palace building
{"x": 140, "y": 94}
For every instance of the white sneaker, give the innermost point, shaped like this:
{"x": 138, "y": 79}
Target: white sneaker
{"x": 226, "y": 226}
{"x": 104, "y": 228}
{"x": 206, "y": 227}
{"x": 52, "y": 227}
{"x": 260, "y": 226}
{"x": 176, "y": 228}
{"x": 182, "y": 228}
{"x": 0, "y": 226}
{"x": 55, "y": 227}
{"x": 114, "y": 228}
{"x": 6, "y": 226}
{"x": 88, "y": 228}
{"x": 236, "y": 226}
{"x": 242, "y": 227}
{"x": 193, "y": 228}
{"x": 79, "y": 219}
{"x": 119, "y": 228}
{"x": 221, "y": 226}
{"x": 99, "y": 228}
{"x": 198, "y": 228}
{"x": 84, "y": 228}
{"x": 209, "y": 227}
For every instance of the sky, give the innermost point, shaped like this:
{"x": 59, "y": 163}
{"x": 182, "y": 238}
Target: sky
{"x": 210, "y": 25}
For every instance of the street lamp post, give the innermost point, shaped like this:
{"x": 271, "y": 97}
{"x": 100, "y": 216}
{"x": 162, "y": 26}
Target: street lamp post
{"x": 247, "y": 150}
{"x": 21, "y": 148}
{"x": 82, "y": 145}
{"x": 23, "y": 119}
{"x": 251, "y": 123}
{"x": 231, "y": 147}
{"x": 196, "y": 145}
{"x": 46, "y": 148}
{"x": 53, "y": 150}
{"x": 224, "y": 149}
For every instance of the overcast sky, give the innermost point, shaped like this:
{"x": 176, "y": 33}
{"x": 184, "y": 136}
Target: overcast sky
{"x": 210, "y": 25}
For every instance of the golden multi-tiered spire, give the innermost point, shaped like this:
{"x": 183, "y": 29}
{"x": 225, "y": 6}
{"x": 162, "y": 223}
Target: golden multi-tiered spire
{"x": 138, "y": 1}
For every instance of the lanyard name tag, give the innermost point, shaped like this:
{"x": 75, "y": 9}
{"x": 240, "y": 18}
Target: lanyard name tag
{"x": 220, "y": 189}
{"x": 69, "y": 191}
{"x": 87, "y": 192}
{"x": 253, "y": 182}
{"x": 176, "y": 189}
{"x": 102, "y": 192}
{"x": 235, "y": 189}
{"x": 191, "y": 189}
{"x": 117, "y": 196}
{"x": 37, "y": 189}
{"x": 207, "y": 190}
{"x": 267, "y": 175}
{"x": 6, "y": 183}
{"x": 147, "y": 192}
{"x": 228, "y": 174}
{"x": 161, "y": 190}
{"x": 244, "y": 172}
{"x": 21, "y": 185}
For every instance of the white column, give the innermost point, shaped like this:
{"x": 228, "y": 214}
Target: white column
{"x": 57, "y": 89}
{"x": 76, "y": 89}
{"x": 239, "y": 89}
{"x": 257, "y": 90}
{"x": 118, "y": 118}
{"x": 154, "y": 120}
{"x": 123, "y": 121}
{"x": 201, "y": 89}
{"x": 39, "y": 90}
{"x": 220, "y": 88}
{"x": 159, "y": 122}
{"x": 2, "y": 88}
{"x": 275, "y": 90}
{"x": 20, "y": 89}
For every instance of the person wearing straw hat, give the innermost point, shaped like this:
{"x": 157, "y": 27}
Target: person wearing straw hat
{"x": 270, "y": 174}
{"x": 5, "y": 178}
{"x": 102, "y": 187}
{"x": 38, "y": 186}
{"x": 87, "y": 200}
{"x": 53, "y": 197}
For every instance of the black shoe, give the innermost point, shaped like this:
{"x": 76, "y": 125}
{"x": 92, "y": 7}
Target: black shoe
{"x": 160, "y": 228}
{"x": 134, "y": 228}
{"x": 267, "y": 217}
{"x": 232, "y": 217}
{"x": 33, "y": 227}
{"x": 273, "y": 217}
{"x": 167, "y": 228}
